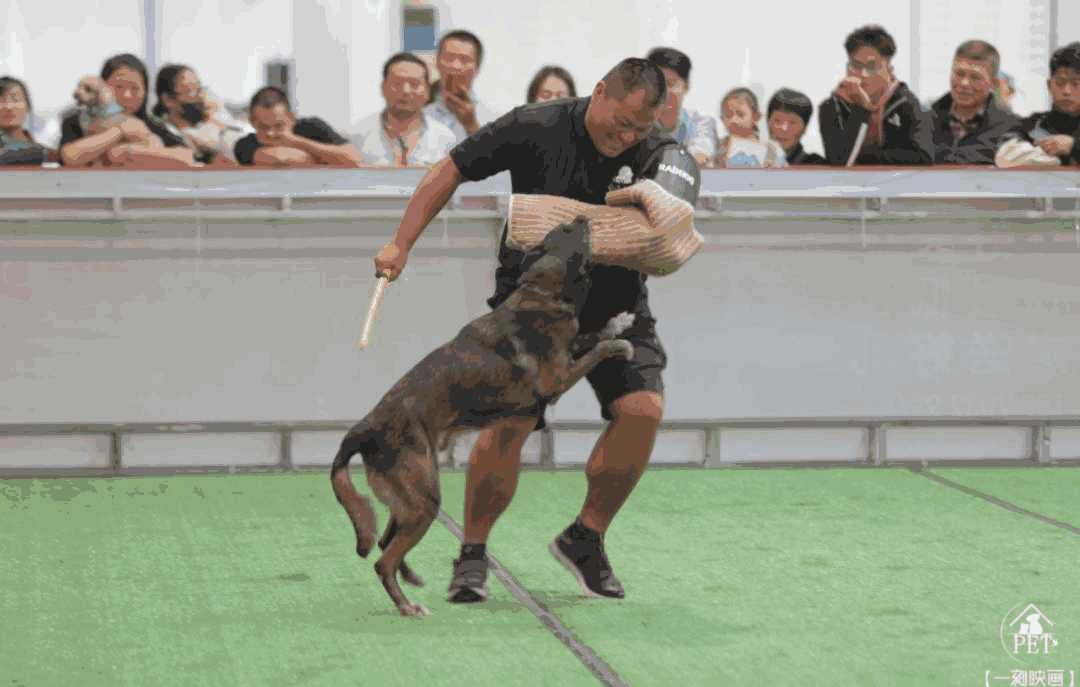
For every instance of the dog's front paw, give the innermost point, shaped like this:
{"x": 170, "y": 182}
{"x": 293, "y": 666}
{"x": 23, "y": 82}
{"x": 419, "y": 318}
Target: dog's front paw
{"x": 617, "y": 325}
{"x": 413, "y": 611}
{"x": 617, "y": 348}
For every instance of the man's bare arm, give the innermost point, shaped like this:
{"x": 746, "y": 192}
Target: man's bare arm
{"x": 431, "y": 195}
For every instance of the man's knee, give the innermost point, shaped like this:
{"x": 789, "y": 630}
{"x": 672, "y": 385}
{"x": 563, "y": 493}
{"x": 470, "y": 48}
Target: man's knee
{"x": 505, "y": 438}
{"x": 638, "y": 407}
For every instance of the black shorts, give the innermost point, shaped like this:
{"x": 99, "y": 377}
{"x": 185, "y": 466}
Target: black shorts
{"x": 614, "y": 378}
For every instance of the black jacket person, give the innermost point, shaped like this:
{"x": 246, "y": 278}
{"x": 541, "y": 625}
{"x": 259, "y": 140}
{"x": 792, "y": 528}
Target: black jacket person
{"x": 979, "y": 143}
{"x": 969, "y": 124}
{"x": 906, "y": 137}
{"x": 870, "y": 98}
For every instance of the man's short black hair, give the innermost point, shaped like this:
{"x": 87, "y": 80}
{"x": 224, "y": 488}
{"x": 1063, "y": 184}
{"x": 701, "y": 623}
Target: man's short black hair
{"x": 980, "y": 51}
{"x": 463, "y": 35}
{"x": 405, "y": 57}
{"x": 675, "y": 60}
{"x": 789, "y": 100}
{"x": 634, "y": 73}
{"x": 1066, "y": 57}
{"x": 874, "y": 36}
{"x": 269, "y": 96}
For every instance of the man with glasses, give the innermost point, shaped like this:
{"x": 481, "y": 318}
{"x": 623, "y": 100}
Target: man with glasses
{"x": 402, "y": 134}
{"x": 872, "y": 118}
{"x": 969, "y": 123}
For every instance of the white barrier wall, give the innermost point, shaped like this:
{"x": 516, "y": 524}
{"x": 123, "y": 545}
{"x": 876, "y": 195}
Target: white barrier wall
{"x": 821, "y": 295}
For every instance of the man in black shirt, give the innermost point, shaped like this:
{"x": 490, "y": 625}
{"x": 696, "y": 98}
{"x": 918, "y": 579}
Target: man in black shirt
{"x": 1057, "y": 132}
{"x": 578, "y": 149}
{"x": 281, "y": 140}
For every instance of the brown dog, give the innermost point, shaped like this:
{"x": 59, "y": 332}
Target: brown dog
{"x": 98, "y": 109}
{"x": 499, "y": 366}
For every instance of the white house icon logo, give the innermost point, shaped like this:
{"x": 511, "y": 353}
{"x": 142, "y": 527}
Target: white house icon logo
{"x": 1027, "y": 633}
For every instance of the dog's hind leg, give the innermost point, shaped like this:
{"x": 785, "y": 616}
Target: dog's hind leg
{"x": 414, "y": 505}
{"x": 407, "y": 573}
{"x": 359, "y": 510}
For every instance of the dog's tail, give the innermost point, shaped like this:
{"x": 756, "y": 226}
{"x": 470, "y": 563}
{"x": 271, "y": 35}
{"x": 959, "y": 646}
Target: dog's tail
{"x": 356, "y": 506}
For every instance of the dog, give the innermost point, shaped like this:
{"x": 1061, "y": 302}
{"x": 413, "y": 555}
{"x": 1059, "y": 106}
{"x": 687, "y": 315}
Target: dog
{"x": 97, "y": 106}
{"x": 498, "y": 366}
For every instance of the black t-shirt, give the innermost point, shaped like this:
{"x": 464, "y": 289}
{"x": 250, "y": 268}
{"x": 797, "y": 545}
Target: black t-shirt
{"x": 308, "y": 127}
{"x": 71, "y": 130}
{"x": 547, "y": 150}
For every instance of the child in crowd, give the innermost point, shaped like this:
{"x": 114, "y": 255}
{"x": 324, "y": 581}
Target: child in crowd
{"x": 743, "y": 147}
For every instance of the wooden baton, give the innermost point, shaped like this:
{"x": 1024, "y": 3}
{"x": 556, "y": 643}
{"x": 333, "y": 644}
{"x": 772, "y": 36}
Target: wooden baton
{"x": 376, "y": 299}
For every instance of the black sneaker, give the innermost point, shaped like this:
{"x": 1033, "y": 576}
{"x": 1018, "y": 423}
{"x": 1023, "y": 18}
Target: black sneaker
{"x": 469, "y": 583}
{"x": 581, "y": 551}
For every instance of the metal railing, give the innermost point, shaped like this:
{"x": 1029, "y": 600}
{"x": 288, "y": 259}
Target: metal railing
{"x": 877, "y": 428}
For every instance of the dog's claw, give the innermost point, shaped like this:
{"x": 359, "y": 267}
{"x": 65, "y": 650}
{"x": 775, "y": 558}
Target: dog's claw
{"x": 363, "y": 547}
{"x": 618, "y": 324}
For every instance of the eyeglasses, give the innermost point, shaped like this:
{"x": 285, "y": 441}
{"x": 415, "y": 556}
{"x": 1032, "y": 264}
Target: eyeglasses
{"x": 865, "y": 69}
{"x": 12, "y": 99}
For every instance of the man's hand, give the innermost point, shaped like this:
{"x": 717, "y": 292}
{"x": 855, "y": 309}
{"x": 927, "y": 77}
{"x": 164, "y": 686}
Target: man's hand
{"x": 288, "y": 139}
{"x": 851, "y": 91}
{"x": 391, "y": 261}
{"x": 463, "y": 109}
{"x": 1056, "y": 145}
{"x": 664, "y": 210}
{"x": 293, "y": 156}
{"x": 279, "y": 156}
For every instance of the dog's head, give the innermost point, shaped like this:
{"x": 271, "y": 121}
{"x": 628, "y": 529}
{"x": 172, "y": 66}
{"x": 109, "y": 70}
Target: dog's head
{"x": 92, "y": 91}
{"x": 560, "y": 264}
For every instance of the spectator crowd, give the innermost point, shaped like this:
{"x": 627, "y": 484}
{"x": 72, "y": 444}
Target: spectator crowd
{"x": 870, "y": 117}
